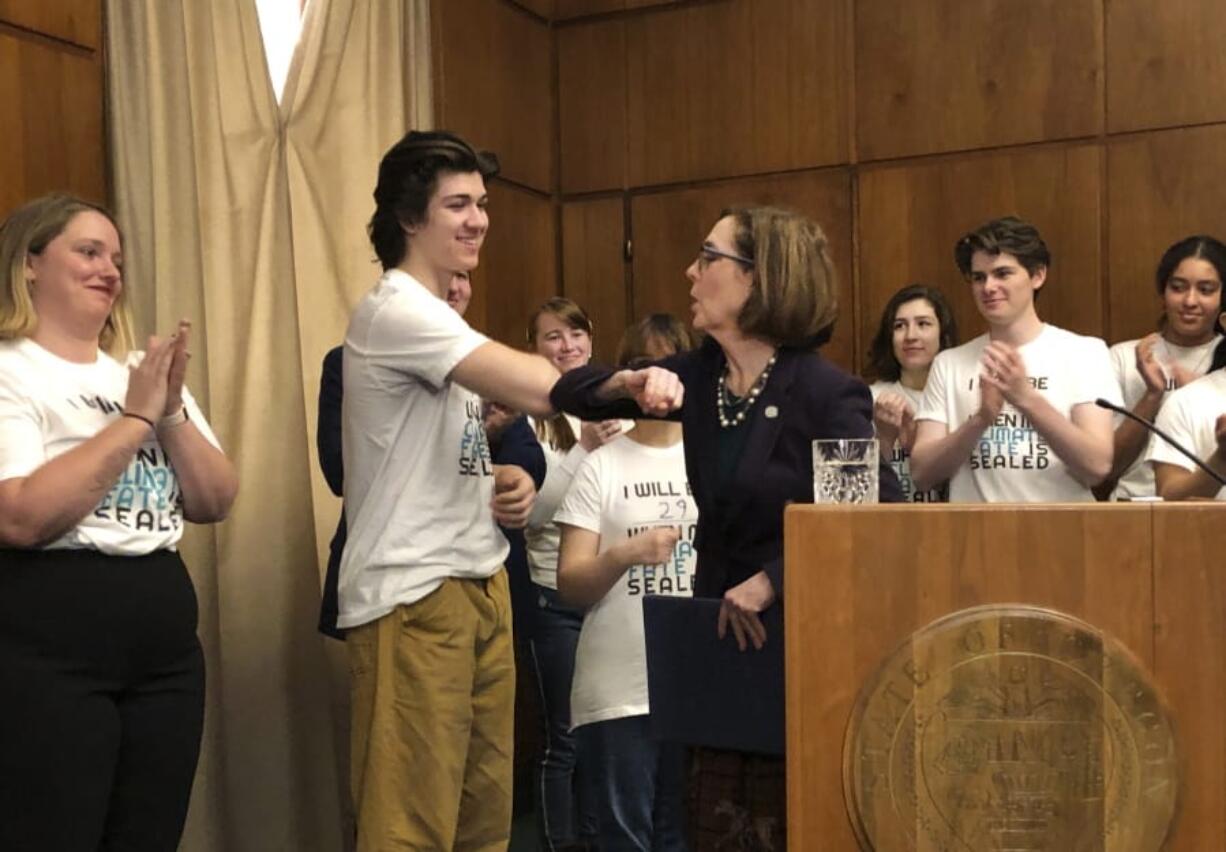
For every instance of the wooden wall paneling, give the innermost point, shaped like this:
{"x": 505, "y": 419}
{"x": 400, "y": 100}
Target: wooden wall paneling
{"x": 519, "y": 267}
{"x": 957, "y": 74}
{"x": 594, "y": 267}
{"x": 1166, "y": 62}
{"x": 592, "y": 105}
{"x": 877, "y": 575}
{"x": 571, "y": 9}
{"x": 910, "y": 216}
{"x": 1190, "y": 661}
{"x": 668, "y": 227}
{"x": 76, "y": 21}
{"x": 544, "y": 8}
{"x": 1161, "y": 187}
{"x": 736, "y": 87}
{"x": 51, "y": 109}
{"x": 493, "y": 66}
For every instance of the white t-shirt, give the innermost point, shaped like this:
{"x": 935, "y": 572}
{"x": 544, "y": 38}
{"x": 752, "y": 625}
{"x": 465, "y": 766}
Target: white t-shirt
{"x": 541, "y": 536}
{"x": 900, "y": 459}
{"x": 623, "y": 489}
{"x": 1013, "y": 463}
{"x": 1189, "y": 415}
{"x": 1138, "y": 480}
{"x": 48, "y": 406}
{"x": 418, "y": 476}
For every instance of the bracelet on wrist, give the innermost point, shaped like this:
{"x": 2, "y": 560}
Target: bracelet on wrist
{"x": 170, "y": 421}
{"x": 142, "y": 418}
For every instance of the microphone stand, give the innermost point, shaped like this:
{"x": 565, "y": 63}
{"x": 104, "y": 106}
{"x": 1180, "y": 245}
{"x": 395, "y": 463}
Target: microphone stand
{"x": 1111, "y": 406}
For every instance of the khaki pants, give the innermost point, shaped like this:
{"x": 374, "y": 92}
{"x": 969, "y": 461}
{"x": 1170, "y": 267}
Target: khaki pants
{"x": 433, "y": 712}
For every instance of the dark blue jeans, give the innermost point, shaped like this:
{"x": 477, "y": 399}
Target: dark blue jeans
{"x": 561, "y": 808}
{"x": 637, "y": 786}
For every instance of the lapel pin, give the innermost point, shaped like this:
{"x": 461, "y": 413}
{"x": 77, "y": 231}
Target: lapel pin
{"x": 771, "y": 412}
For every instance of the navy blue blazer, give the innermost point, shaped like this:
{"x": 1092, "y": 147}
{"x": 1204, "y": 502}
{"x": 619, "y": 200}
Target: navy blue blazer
{"x": 806, "y": 398}
{"x": 518, "y": 445}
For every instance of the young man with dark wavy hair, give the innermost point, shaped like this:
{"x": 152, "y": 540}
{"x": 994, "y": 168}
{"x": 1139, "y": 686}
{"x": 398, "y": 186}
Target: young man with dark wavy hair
{"x": 1010, "y": 416}
{"x": 422, "y": 592}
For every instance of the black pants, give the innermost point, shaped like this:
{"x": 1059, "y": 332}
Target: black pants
{"x": 101, "y": 701}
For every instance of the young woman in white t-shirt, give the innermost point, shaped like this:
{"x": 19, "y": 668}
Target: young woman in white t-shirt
{"x": 1189, "y": 282}
{"x": 1195, "y": 416}
{"x": 561, "y": 331}
{"x": 628, "y": 526}
{"x": 915, "y": 325}
{"x": 101, "y": 462}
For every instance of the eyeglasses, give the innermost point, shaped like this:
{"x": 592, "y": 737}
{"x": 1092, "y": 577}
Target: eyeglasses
{"x": 708, "y": 255}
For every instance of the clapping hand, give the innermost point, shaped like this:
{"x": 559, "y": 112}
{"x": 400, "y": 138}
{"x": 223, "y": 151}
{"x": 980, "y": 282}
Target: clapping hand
{"x": 894, "y": 420}
{"x": 1148, "y": 367}
{"x": 594, "y": 435}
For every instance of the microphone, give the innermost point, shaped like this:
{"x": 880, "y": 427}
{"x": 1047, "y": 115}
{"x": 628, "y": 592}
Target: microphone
{"x": 1111, "y": 406}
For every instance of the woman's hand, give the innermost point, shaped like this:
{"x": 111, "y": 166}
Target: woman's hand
{"x": 1148, "y": 367}
{"x": 178, "y": 369}
{"x": 895, "y": 421}
{"x": 593, "y": 436}
{"x": 740, "y": 608}
{"x": 656, "y": 390}
{"x": 653, "y": 546}
{"x": 148, "y": 380}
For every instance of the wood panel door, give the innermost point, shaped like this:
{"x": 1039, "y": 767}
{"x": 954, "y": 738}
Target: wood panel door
{"x": 51, "y": 109}
{"x": 736, "y": 87}
{"x": 78, "y": 22}
{"x": 594, "y": 269}
{"x": 592, "y": 105}
{"x": 949, "y": 75}
{"x": 519, "y": 267}
{"x": 1165, "y": 61}
{"x": 493, "y": 67}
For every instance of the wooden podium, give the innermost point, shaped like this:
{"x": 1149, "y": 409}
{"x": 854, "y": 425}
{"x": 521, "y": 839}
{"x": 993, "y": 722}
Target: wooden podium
{"x": 861, "y": 579}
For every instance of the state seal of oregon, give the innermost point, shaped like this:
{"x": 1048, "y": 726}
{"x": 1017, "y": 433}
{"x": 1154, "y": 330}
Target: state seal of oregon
{"x": 1010, "y": 728}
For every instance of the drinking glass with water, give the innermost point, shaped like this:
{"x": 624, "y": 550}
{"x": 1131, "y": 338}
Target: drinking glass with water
{"x": 845, "y": 470}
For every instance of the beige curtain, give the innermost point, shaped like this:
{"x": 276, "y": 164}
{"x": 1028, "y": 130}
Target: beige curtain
{"x": 248, "y": 218}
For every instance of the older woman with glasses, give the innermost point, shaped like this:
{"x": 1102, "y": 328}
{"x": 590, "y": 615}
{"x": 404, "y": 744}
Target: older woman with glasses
{"x": 751, "y": 400}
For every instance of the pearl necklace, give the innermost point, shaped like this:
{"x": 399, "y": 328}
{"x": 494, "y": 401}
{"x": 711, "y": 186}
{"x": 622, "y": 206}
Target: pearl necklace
{"x": 732, "y": 412}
